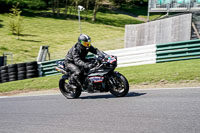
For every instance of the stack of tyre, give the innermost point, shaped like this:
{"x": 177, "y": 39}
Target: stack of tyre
{"x": 18, "y": 71}
{"x": 12, "y": 72}
{"x": 4, "y": 74}
{"x": 21, "y": 71}
{"x": 31, "y": 70}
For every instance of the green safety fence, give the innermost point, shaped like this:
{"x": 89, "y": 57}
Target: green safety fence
{"x": 178, "y": 51}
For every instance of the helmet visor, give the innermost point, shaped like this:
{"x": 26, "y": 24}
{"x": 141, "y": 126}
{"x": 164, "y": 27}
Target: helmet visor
{"x": 86, "y": 44}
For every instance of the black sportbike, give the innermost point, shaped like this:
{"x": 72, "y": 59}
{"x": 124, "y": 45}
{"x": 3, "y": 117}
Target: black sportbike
{"x": 101, "y": 78}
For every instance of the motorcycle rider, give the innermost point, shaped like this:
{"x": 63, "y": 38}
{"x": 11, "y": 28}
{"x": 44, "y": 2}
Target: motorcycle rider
{"x": 75, "y": 60}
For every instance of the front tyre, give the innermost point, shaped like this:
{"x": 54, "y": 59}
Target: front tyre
{"x": 119, "y": 85}
{"x": 67, "y": 92}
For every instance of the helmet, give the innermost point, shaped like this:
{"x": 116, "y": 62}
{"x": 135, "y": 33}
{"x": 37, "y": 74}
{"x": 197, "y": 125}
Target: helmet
{"x": 85, "y": 40}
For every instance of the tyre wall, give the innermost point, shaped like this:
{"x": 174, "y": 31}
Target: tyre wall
{"x": 18, "y": 71}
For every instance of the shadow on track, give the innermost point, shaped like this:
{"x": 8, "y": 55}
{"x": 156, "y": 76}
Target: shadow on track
{"x": 106, "y": 96}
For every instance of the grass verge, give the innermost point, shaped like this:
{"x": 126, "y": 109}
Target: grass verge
{"x": 171, "y": 72}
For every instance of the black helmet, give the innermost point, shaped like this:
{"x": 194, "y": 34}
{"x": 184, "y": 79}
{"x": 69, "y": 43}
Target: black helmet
{"x": 85, "y": 40}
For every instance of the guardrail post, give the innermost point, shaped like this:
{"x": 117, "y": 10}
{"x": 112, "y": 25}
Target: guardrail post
{"x": 40, "y": 73}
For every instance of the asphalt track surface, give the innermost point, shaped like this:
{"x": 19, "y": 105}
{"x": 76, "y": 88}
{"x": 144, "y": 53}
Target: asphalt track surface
{"x": 142, "y": 111}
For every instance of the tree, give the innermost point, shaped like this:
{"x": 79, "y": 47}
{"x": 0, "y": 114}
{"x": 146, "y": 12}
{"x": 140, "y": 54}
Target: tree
{"x": 5, "y": 5}
{"x": 95, "y": 10}
{"x": 66, "y": 7}
{"x": 15, "y": 23}
{"x": 71, "y": 7}
{"x": 55, "y": 7}
{"x": 86, "y": 7}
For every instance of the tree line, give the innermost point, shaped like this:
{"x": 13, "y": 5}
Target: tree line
{"x": 69, "y": 6}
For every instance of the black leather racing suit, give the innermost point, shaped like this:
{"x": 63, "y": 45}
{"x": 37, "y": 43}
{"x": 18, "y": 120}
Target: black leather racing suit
{"x": 75, "y": 60}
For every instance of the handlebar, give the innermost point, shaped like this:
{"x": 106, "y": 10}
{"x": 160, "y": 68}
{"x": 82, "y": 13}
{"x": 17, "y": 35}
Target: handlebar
{"x": 101, "y": 61}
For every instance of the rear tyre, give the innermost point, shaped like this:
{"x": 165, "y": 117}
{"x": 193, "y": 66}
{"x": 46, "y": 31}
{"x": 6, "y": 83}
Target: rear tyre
{"x": 67, "y": 92}
{"x": 119, "y": 86}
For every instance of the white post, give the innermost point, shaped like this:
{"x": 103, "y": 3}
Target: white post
{"x": 79, "y": 18}
{"x": 80, "y": 8}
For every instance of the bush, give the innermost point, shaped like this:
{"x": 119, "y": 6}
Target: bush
{"x": 119, "y": 2}
{"x": 5, "y": 5}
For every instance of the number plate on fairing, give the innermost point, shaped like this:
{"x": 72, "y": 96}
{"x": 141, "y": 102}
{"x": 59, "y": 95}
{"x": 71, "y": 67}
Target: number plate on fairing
{"x": 96, "y": 79}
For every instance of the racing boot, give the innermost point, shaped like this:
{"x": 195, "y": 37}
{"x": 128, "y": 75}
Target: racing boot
{"x": 71, "y": 86}
{"x": 89, "y": 86}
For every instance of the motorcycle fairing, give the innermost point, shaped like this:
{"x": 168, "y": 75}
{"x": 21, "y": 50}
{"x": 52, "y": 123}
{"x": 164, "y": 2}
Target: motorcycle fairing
{"x": 97, "y": 74}
{"x": 96, "y": 79}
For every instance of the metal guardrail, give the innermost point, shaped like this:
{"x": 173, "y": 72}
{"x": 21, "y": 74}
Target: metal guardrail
{"x": 178, "y": 51}
{"x": 141, "y": 55}
{"x": 48, "y": 67}
{"x": 126, "y": 57}
{"x": 135, "y": 56}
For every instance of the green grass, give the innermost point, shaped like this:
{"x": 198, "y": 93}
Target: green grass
{"x": 141, "y": 11}
{"x": 112, "y": 18}
{"x": 60, "y": 34}
{"x": 41, "y": 83}
{"x": 172, "y": 72}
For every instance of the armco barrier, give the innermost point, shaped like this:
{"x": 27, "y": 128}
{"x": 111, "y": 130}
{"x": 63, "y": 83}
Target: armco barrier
{"x": 135, "y": 56}
{"x": 140, "y": 55}
{"x": 47, "y": 67}
{"x": 178, "y": 51}
{"x": 126, "y": 57}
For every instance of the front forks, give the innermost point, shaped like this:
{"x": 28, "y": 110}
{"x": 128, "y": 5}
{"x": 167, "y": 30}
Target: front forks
{"x": 113, "y": 83}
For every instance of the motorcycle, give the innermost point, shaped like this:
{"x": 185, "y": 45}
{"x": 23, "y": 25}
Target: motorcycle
{"x": 101, "y": 78}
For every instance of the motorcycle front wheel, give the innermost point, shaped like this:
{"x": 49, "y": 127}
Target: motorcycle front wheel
{"x": 119, "y": 85}
{"x": 67, "y": 92}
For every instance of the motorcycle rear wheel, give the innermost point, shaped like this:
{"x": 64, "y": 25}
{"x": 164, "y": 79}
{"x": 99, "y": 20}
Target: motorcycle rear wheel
{"x": 120, "y": 87}
{"x": 68, "y": 93}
